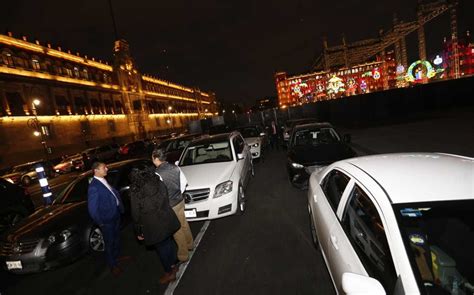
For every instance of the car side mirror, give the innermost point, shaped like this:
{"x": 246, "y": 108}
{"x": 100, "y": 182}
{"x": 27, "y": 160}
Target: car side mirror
{"x": 240, "y": 157}
{"x": 353, "y": 284}
{"x": 263, "y": 134}
{"x": 347, "y": 138}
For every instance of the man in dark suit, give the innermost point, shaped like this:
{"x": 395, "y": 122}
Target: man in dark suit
{"x": 105, "y": 207}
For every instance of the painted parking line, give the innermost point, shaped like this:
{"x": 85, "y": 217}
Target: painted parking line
{"x": 172, "y": 286}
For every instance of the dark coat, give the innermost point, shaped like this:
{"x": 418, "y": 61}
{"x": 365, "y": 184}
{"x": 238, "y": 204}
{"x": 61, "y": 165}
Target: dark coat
{"x": 102, "y": 204}
{"x": 151, "y": 211}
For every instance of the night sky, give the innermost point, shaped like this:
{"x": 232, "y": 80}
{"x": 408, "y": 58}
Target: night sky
{"x": 230, "y": 47}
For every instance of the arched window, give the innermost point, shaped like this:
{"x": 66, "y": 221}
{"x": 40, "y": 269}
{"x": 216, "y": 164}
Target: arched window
{"x": 76, "y": 72}
{"x": 7, "y": 58}
{"x": 85, "y": 74}
{"x": 68, "y": 70}
{"x": 35, "y": 63}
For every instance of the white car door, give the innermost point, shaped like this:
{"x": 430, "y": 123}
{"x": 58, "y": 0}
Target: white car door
{"x": 239, "y": 148}
{"x": 358, "y": 244}
{"x": 327, "y": 198}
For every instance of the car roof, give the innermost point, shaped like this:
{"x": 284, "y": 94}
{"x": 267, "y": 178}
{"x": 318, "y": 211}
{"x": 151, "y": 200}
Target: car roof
{"x": 316, "y": 124}
{"x": 420, "y": 177}
{"x": 211, "y": 139}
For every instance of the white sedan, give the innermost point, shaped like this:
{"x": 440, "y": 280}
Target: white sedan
{"x": 396, "y": 223}
{"x": 218, "y": 169}
{"x": 255, "y": 138}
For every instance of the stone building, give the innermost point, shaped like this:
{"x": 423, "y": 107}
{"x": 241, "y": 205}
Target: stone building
{"x": 83, "y": 102}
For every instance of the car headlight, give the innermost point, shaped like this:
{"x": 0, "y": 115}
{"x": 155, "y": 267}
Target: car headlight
{"x": 59, "y": 238}
{"x": 255, "y": 144}
{"x": 296, "y": 165}
{"x": 9, "y": 179}
{"x": 223, "y": 188}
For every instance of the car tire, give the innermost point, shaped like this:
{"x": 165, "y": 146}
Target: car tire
{"x": 96, "y": 240}
{"x": 314, "y": 236}
{"x": 26, "y": 180}
{"x": 241, "y": 202}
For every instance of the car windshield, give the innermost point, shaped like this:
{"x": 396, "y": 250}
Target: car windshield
{"x": 249, "y": 132}
{"x": 439, "y": 240}
{"x": 177, "y": 144}
{"x": 207, "y": 153}
{"x": 22, "y": 168}
{"x": 315, "y": 136}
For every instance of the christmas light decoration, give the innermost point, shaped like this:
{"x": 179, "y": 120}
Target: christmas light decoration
{"x": 420, "y": 70}
{"x": 335, "y": 85}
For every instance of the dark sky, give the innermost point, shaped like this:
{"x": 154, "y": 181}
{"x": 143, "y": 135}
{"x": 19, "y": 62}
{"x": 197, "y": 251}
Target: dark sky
{"x": 230, "y": 47}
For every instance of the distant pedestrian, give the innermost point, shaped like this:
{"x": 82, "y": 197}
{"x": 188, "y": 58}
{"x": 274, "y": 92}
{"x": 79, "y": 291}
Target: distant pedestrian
{"x": 274, "y": 135}
{"x": 155, "y": 221}
{"x": 105, "y": 208}
{"x": 175, "y": 182}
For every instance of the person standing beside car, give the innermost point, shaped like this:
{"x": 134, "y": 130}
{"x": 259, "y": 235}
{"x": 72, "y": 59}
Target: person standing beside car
{"x": 155, "y": 222}
{"x": 175, "y": 183}
{"x": 105, "y": 207}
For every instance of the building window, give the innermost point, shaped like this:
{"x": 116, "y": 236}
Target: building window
{"x": 76, "y": 72}
{"x": 81, "y": 106}
{"x": 85, "y": 74}
{"x": 7, "y": 58}
{"x": 137, "y": 105}
{"x": 111, "y": 125}
{"x": 36, "y": 65}
{"x": 118, "y": 107}
{"x": 15, "y": 102}
{"x": 68, "y": 72}
{"x": 109, "y": 109}
{"x": 62, "y": 105}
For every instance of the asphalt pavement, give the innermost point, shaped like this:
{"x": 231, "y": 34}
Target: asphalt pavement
{"x": 267, "y": 250}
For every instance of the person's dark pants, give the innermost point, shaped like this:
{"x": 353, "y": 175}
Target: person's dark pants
{"x": 274, "y": 141}
{"x": 166, "y": 250}
{"x": 111, "y": 233}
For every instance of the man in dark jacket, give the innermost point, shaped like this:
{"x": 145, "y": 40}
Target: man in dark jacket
{"x": 175, "y": 183}
{"x": 105, "y": 207}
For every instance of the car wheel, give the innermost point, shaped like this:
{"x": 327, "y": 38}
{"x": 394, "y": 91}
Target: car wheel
{"x": 26, "y": 180}
{"x": 96, "y": 240}
{"x": 313, "y": 231}
{"x": 241, "y": 202}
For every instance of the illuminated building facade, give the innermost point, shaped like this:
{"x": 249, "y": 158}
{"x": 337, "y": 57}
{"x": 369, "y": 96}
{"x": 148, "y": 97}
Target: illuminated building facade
{"x": 324, "y": 85}
{"x": 465, "y": 56}
{"x": 85, "y": 102}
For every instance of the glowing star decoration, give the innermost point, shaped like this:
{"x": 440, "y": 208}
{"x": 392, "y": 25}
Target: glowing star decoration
{"x": 438, "y": 60}
{"x": 420, "y": 70}
{"x": 335, "y": 85}
{"x": 376, "y": 74}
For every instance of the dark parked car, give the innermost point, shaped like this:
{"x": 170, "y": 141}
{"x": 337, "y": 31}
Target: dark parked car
{"x": 133, "y": 149}
{"x": 290, "y": 124}
{"x": 61, "y": 233}
{"x": 175, "y": 146}
{"x": 15, "y": 204}
{"x": 26, "y": 173}
{"x": 312, "y": 147}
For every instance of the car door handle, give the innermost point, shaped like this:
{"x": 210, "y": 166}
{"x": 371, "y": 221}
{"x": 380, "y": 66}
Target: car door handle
{"x": 334, "y": 242}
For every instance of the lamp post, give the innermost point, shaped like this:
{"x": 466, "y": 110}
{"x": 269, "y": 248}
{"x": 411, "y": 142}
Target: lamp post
{"x": 34, "y": 124}
{"x": 170, "y": 120}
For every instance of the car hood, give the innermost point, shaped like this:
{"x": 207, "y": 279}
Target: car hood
{"x": 208, "y": 175}
{"x": 252, "y": 140}
{"x": 49, "y": 220}
{"x": 322, "y": 154}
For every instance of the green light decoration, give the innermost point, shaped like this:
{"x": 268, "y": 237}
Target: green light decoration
{"x": 419, "y": 70}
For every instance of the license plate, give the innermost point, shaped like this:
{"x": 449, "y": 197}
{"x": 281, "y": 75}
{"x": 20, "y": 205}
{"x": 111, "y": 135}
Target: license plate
{"x": 14, "y": 264}
{"x": 190, "y": 213}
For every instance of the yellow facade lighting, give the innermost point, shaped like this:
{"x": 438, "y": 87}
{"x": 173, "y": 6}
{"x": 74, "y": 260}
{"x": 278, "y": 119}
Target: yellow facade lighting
{"x": 164, "y": 83}
{"x": 52, "y": 52}
{"x": 24, "y": 73}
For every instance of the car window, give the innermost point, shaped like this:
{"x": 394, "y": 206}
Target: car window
{"x": 103, "y": 149}
{"x": 365, "y": 230}
{"x": 207, "y": 153}
{"x": 78, "y": 191}
{"x": 333, "y": 186}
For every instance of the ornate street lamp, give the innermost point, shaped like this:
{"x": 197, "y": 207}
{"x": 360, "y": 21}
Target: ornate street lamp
{"x": 34, "y": 124}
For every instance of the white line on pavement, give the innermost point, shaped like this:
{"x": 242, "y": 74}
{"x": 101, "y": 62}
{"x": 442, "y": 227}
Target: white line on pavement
{"x": 172, "y": 286}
